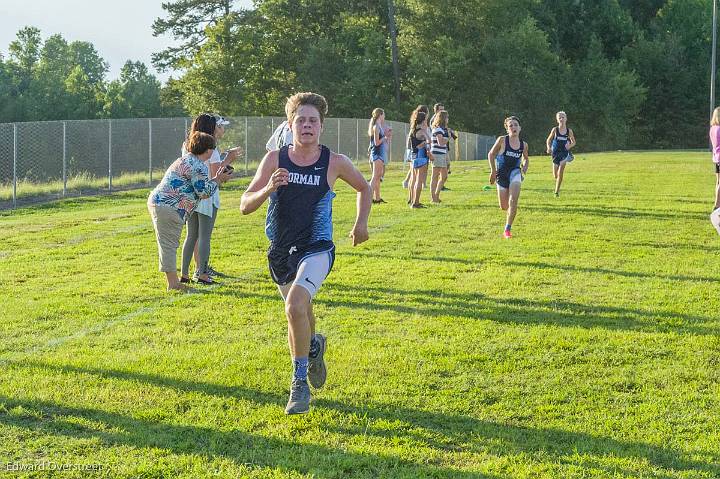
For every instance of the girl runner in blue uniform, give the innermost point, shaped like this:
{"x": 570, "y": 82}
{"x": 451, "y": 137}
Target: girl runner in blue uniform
{"x": 509, "y": 161}
{"x": 559, "y": 143}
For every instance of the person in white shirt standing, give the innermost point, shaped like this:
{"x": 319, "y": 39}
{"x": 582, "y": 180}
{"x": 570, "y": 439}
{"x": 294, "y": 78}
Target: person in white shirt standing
{"x": 282, "y": 136}
{"x": 440, "y": 141}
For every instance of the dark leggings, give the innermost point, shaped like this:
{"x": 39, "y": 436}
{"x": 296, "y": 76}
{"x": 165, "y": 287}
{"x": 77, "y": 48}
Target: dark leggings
{"x": 199, "y": 230}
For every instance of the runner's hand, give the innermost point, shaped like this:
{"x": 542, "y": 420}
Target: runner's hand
{"x": 279, "y": 178}
{"x": 359, "y": 234}
{"x": 493, "y": 177}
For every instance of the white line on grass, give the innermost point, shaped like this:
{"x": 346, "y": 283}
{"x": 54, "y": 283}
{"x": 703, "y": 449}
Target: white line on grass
{"x": 55, "y": 342}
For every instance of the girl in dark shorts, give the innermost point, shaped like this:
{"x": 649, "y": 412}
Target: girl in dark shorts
{"x": 509, "y": 161}
{"x": 559, "y": 143}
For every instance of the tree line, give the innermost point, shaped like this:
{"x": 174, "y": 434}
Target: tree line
{"x": 53, "y": 79}
{"x": 629, "y": 73}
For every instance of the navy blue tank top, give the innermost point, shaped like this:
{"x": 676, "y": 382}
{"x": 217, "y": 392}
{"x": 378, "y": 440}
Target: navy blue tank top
{"x": 415, "y": 143}
{"x": 559, "y": 142}
{"x": 377, "y": 150}
{"x": 510, "y": 158}
{"x": 299, "y": 217}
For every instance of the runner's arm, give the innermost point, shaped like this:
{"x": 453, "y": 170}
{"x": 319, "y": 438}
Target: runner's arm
{"x": 352, "y": 176}
{"x": 492, "y": 154}
{"x": 571, "y": 138}
{"x": 549, "y": 140}
{"x": 268, "y": 178}
{"x": 377, "y": 141}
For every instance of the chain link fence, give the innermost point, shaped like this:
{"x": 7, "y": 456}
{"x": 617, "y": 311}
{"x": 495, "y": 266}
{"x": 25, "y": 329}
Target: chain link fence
{"x": 40, "y": 161}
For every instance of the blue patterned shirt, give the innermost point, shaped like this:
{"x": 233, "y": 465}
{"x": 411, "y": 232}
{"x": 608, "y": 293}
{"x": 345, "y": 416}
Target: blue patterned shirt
{"x": 185, "y": 183}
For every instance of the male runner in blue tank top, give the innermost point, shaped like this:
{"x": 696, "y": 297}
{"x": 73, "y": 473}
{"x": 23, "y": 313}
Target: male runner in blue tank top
{"x": 299, "y": 181}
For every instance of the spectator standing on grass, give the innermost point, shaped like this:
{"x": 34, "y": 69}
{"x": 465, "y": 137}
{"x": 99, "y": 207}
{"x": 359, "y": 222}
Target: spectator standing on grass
{"x": 715, "y": 142}
{"x": 509, "y": 161}
{"x": 299, "y": 181}
{"x": 408, "y": 147}
{"x": 282, "y": 136}
{"x": 420, "y": 144}
{"x": 440, "y": 142}
{"x": 438, "y": 107}
{"x": 175, "y": 198}
{"x": 559, "y": 143}
{"x": 202, "y": 221}
{"x": 380, "y": 136}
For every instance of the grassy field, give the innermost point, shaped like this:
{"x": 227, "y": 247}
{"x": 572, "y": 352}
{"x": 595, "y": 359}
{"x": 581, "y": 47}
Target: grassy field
{"x": 585, "y": 347}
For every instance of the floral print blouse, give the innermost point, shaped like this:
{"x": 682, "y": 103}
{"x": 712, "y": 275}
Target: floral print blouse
{"x": 185, "y": 183}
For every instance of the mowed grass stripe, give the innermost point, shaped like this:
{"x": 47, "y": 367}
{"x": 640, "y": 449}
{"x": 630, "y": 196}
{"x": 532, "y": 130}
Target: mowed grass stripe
{"x": 585, "y": 347}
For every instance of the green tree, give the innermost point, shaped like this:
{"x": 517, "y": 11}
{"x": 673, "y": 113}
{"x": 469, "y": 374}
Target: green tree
{"x": 671, "y": 59}
{"x": 24, "y": 53}
{"x": 606, "y": 98}
{"x": 25, "y": 50}
{"x": 47, "y": 88}
{"x": 7, "y": 100}
{"x": 85, "y": 56}
{"x": 136, "y": 94}
{"x": 171, "y": 100}
{"x": 573, "y": 25}
{"x": 85, "y": 98}
{"x": 187, "y": 21}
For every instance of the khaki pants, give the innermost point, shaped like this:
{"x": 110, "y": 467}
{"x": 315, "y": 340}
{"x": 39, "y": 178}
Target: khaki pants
{"x": 168, "y": 227}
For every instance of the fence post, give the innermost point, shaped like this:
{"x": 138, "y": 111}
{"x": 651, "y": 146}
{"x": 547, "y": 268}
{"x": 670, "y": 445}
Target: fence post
{"x": 357, "y": 140}
{"x": 466, "y": 150}
{"x": 247, "y": 149}
{"x": 150, "y": 151}
{"x": 338, "y": 138}
{"x": 389, "y": 148}
{"x": 110, "y": 155}
{"x": 14, "y": 195}
{"x": 406, "y": 126}
{"x": 64, "y": 158}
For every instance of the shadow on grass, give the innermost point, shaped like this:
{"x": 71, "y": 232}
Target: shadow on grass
{"x": 540, "y": 265}
{"x": 476, "y": 306}
{"x": 243, "y": 448}
{"x": 615, "y": 272}
{"x": 711, "y": 247}
{"x": 517, "y": 311}
{"x": 442, "y": 432}
{"x": 409, "y": 257}
{"x": 616, "y": 212}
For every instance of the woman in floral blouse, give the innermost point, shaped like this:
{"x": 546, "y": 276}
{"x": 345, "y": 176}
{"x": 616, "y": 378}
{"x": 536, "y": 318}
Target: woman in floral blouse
{"x": 185, "y": 183}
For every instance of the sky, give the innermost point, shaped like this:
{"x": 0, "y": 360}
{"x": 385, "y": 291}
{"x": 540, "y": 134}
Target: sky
{"x": 119, "y": 29}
